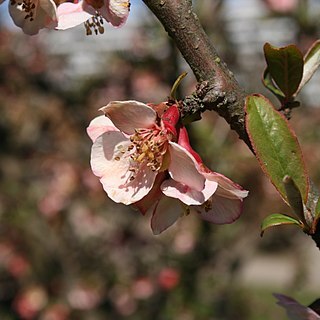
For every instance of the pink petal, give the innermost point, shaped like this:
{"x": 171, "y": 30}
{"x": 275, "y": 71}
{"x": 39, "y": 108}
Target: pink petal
{"x": 98, "y": 126}
{"x": 130, "y": 115}
{"x": 115, "y": 11}
{"x": 166, "y": 213}
{"x": 50, "y": 9}
{"x": 186, "y": 194}
{"x": 183, "y": 168}
{"x": 227, "y": 188}
{"x": 111, "y": 162}
{"x": 183, "y": 141}
{"x": 295, "y": 310}
{"x": 147, "y": 202}
{"x": 222, "y": 211}
{"x": 226, "y": 204}
{"x": 72, "y": 14}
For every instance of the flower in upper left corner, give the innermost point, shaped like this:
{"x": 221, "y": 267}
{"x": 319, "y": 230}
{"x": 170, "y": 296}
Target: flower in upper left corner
{"x": 92, "y": 13}
{"x": 33, "y": 15}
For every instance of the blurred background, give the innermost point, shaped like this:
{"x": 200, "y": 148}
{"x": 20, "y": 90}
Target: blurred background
{"x": 67, "y": 251}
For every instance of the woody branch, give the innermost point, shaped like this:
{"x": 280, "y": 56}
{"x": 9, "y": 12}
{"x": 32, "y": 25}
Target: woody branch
{"x": 218, "y": 89}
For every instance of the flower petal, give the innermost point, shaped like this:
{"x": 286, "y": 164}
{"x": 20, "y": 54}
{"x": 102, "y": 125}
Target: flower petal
{"x": 72, "y": 14}
{"x": 44, "y": 15}
{"x": 130, "y": 115}
{"x": 187, "y": 195}
{"x": 166, "y": 213}
{"x": 183, "y": 168}
{"x": 226, "y": 204}
{"x": 220, "y": 210}
{"x": 116, "y": 11}
{"x": 49, "y": 9}
{"x": 227, "y": 188}
{"x": 110, "y": 161}
{"x": 147, "y": 202}
{"x": 295, "y": 310}
{"x": 98, "y": 126}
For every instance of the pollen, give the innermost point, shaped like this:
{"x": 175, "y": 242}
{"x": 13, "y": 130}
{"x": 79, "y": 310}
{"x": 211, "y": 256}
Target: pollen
{"x": 149, "y": 146}
{"x": 28, "y": 6}
{"x": 95, "y": 24}
{"x": 125, "y": 4}
{"x": 207, "y": 205}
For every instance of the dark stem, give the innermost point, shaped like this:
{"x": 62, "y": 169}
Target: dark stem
{"x": 217, "y": 89}
{"x": 316, "y": 237}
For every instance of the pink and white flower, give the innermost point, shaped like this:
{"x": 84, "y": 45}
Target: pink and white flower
{"x": 144, "y": 158}
{"x": 92, "y": 13}
{"x": 33, "y": 15}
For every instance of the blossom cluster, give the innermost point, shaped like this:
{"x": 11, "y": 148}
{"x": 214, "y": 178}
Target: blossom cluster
{"x": 33, "y": 15}
{"x": 143, "y": 157}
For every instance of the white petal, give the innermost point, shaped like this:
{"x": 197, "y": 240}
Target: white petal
{"x": 183, "y": 168}
{"x": 112, "y": 166}
{"x": 44, "y": 16}
{"x": 98, "y": 126}
{"x": 166, "y": 213}
{"x": 130, "y": 115}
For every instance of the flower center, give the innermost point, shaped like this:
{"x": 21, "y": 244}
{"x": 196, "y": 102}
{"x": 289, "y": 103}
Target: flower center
{"x": 150, "y": 147}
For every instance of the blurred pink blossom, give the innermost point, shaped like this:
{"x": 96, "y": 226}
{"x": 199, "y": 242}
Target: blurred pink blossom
{"x": 84, "y": 297}
{"x": 143, "y": 288}
{"x": 18, "y": 266}
{"x": 92, "y": 12}
{"x": 282, "y": 5}
{"x": 33, "y": 15}
{"x": 168, "y": 278}
{"x": 63, "y": 181}
{"x": 56, "y": 311}
{"x": 30, "y": 302}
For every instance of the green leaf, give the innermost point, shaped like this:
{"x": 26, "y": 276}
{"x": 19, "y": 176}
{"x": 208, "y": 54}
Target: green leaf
{"x": 275, "y": 145}
{"x": 269, "y": 84}
{"x": 278, "y": 219}
{"x": 294, "y": 197}
{"x": 285, "y": 66}
{"x": 311, "y": 63}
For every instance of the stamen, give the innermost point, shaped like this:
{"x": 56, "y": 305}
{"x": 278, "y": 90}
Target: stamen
{"x": 95, "y": 25}
{"x": 148, "y": 147}
{"x": 28, "y": 6}
{"x": 207, "y": 205}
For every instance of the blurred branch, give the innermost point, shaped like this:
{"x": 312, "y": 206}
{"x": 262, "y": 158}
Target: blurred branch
{"x": 217, "y": 88}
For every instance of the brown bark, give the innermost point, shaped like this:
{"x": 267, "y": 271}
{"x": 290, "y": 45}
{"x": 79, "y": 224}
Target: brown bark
{"x": 217, "y": 89}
